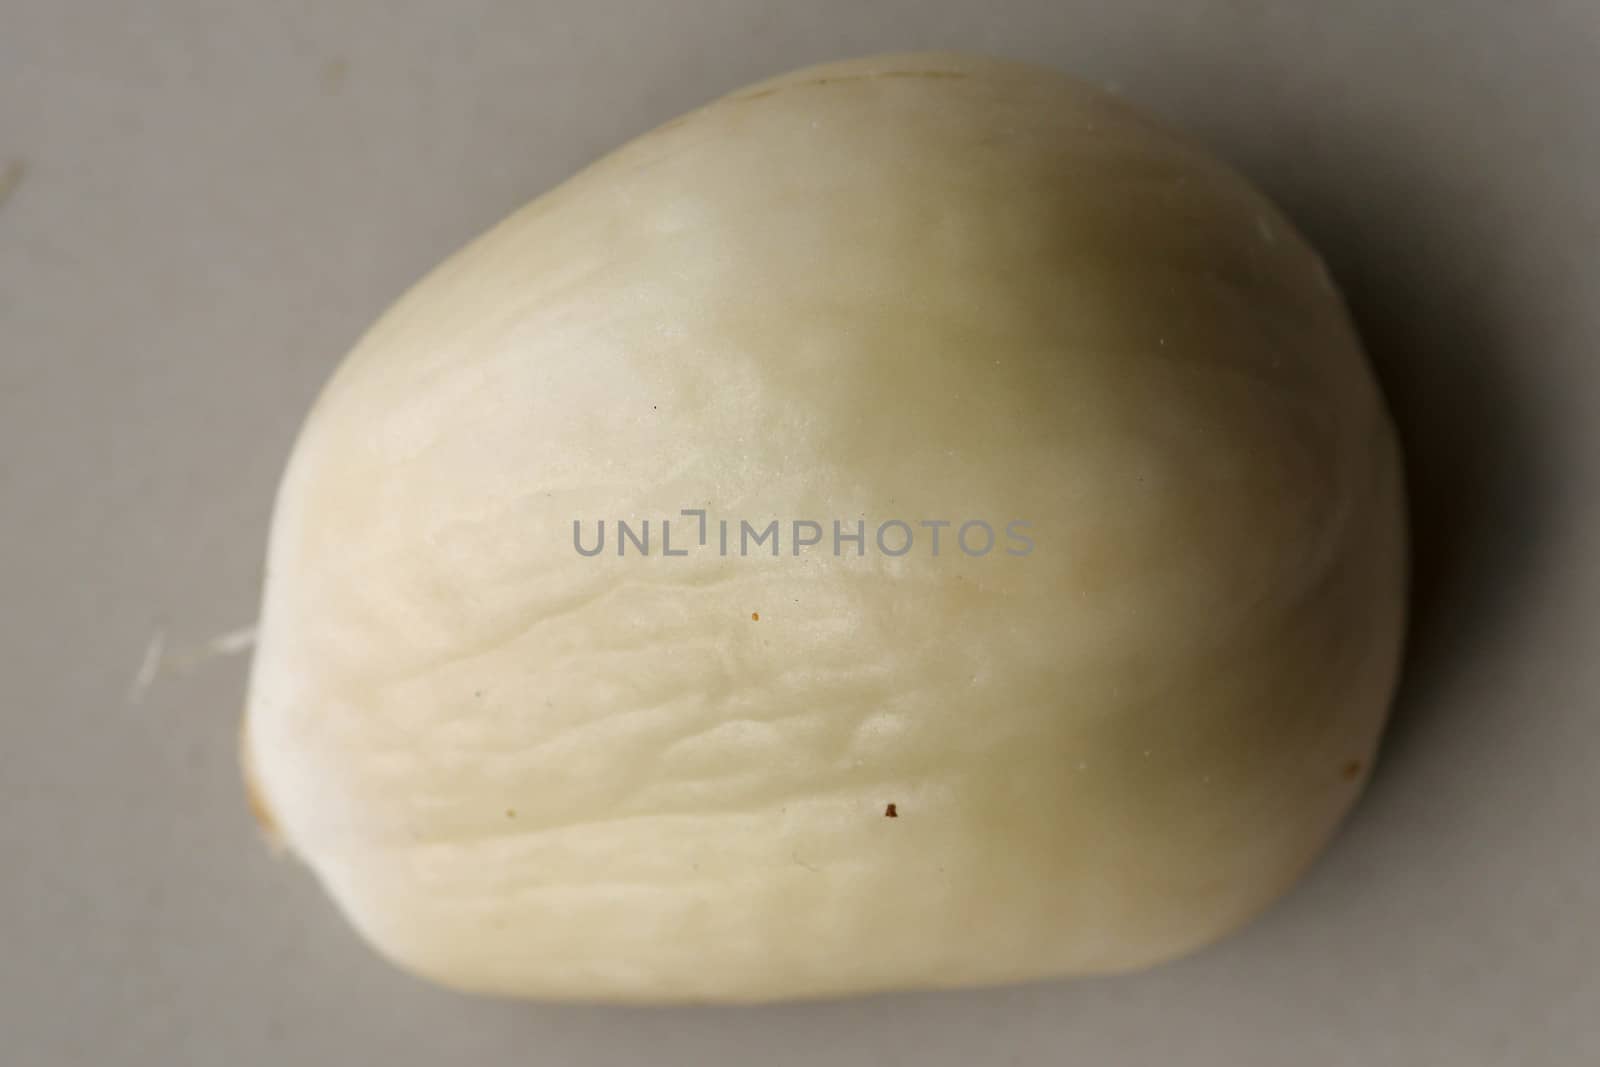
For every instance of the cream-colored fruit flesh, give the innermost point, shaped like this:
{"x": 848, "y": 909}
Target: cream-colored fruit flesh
{"x": 916, "y": 287}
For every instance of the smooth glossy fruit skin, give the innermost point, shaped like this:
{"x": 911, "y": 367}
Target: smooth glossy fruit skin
{"x": 923, "y": 287}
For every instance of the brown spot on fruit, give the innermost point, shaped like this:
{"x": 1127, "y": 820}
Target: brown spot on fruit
{"x": 1352, "y": 770}
{"x": 755, "y": 616}
{"x": 255, "y": 799}
{"x": 891, "y": 812}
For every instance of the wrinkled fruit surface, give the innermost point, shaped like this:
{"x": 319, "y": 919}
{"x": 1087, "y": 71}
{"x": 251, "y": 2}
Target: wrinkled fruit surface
{"x": 915, "y": 288}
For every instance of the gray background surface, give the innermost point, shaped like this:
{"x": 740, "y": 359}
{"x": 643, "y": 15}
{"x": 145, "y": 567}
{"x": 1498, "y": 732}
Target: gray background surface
{"x": 207, "y": 202}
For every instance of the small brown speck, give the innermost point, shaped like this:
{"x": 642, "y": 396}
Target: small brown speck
{"x": 755, "y": 616}
{"x": 1352, "y": 770}
{"x": 334, "y": 73}
{"x": 511, "y": 813}
{"x": 11, "y": 177}
{"x": 891, "y": 812}
{"x": 259, "y": 808}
